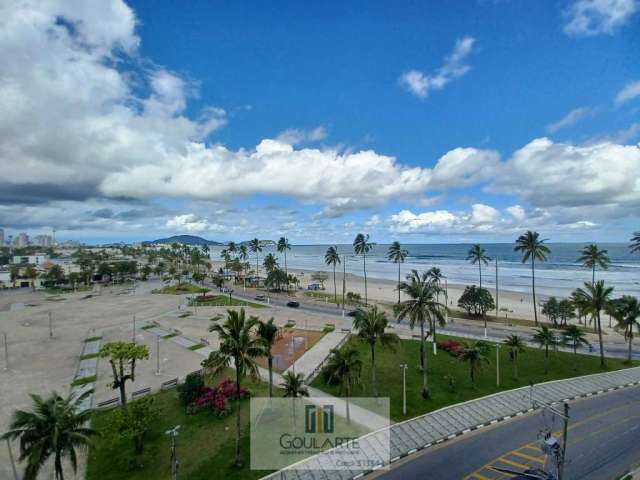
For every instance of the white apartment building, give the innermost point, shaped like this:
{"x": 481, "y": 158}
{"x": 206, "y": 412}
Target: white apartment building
{"x": 37, "y": 259}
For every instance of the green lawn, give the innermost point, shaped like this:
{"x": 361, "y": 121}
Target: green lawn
{"x": 181, "y": 289}
{"x": 330, "y": 298}
{"x": 444, "y": 366}
{"x": 205, "y": 445}
{"x": 224, "y": 301}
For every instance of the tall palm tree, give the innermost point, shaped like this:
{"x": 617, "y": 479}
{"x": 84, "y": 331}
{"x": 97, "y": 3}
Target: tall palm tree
{"x": 333, "y": 258}
{"x": 635, "y": 242}
{"x": 591, "y": 257}
{"x": 532, "y": 247}
{"x": 545, "y": 338}
{"x": 282, "y": 246}
{"x": 362, "y": 246}
{"x": 371, "y": 325}
{"x": 397, "y": 254}
{"x": 595, "y": 298}
{"x": 243, "y": 255}
{"x": 421, "y": 308}
{"x": 238, "y": 348}
{"x": 267, "y": 331}
{"x": 516, "y": 346}
{"x": 344, "y": 368}
{"x": 574, "y": 337}
{"x": 54, "y": 427}
{"x": 475, "y": 355}
{"x": 255, "y": 247}
{"x": 629, "y": 309}
{"x": 477, "y": 254}
{"x": 232, "y": 247}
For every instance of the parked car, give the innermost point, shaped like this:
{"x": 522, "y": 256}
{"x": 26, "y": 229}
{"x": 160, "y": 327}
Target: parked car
{"x": 354, "y": 313}
{"x": 261, "y": 297}
{"x": 293, "y": 304}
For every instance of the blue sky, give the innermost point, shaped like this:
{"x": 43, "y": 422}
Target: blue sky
{"x": 424, "y": 121}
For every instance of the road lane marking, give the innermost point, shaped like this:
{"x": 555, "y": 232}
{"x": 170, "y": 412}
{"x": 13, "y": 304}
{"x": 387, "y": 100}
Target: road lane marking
{"x": 528, "y": 457}
{"x": 512, "y": 463}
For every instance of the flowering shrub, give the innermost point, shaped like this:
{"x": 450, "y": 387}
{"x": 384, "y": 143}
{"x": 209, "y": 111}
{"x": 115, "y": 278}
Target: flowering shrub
{"x": 451, "y": 346}
{"x": 217, "y": 398}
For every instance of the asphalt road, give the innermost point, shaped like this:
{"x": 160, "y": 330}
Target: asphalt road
{"x": 493, "y": 334}
{"x": 603, "y": 443}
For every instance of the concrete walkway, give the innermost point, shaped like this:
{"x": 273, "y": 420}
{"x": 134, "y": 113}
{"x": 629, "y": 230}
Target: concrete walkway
{"x": 313, "y": 359}
{"x": 434, "y": 428}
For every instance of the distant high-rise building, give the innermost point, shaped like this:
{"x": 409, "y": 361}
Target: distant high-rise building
{"x": 43, "y": 240}
{"x": 22, "y": 240}
{"x": 1, "y": 237}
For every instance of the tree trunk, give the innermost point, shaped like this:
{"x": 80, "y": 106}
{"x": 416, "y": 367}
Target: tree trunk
{"x": 285, "y": 269}
{"x": 238, "y": 460}
{"x": 593, "y": 275}
{"x": 546, "y": 359}
{"x": 364, "y": 264}
{"x": 600, "y": 340}
{"x": 373, "y": 370}
{"x": 425, "y": 388}
{"x": 480, "y": 270}
{"x": 473, "y": 381}
{"x": 58, "y": 467}
{"x": 630, "y": 341}
{"x": 270, "y": 375}
{"x": 533, "y": 288}
{"x": 515, "y": 365}
{"x": 398, "y": 283}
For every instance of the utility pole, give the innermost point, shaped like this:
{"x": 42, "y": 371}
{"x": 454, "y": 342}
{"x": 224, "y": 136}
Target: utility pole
{"x": 6, "y": 352}
{"x": 50, "y": 326}
{"x": 173, "y": 433}
{"x": 497, "y": 309}
{"x": 550, "y": 444}
{"x": 404, "y": 367}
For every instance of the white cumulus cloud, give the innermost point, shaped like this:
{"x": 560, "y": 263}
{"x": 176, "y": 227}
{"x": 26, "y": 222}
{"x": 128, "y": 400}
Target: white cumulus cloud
{"x": 594, "y": 17}
{"x": 629, "y": 92}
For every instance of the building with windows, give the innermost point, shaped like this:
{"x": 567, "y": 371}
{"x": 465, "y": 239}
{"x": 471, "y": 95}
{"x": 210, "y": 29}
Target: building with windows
{"x": 22, "y": 240}
{"x": 37, "y": 259}
{"x": 1, "y": 237}
{"x": 43, "y": 240}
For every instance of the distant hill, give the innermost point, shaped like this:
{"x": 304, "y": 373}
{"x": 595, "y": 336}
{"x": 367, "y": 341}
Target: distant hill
{"x": 185, "y": 240}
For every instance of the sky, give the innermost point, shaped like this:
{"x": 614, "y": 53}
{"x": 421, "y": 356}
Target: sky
{"x": 421, "y": 121}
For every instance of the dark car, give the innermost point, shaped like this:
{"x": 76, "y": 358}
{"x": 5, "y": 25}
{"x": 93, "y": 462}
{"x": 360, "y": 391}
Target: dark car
{"x": 354, "y": 313}
{"x": 293, "y": 304}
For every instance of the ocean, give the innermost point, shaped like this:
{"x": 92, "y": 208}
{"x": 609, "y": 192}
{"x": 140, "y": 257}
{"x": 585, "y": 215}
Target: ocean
{"x": 558, "y": 276}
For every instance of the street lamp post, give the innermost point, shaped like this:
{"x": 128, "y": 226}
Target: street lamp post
{"x": 173, "y": 433}
{"x": 497, "y": 364}
{"x": 404, "y": 367}
{"x": 133, "y": 332}
{"x": 158, "y": 355}
{"x": 50, "y": 326}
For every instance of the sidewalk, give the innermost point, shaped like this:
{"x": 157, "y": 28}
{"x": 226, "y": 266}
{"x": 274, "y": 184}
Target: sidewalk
{"x": 313, "y": 359}
{"x": 434, "y": 428}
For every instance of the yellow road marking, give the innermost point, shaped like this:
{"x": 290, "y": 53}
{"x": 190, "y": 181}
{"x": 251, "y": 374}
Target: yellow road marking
{"x": 512, "y": 463}
{"x": 528, "y": 457}
{"x": 480, "y": 477}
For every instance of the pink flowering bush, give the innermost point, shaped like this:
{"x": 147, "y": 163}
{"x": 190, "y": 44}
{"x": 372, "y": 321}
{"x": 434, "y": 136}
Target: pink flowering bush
{"x": 451, "y": 346}
{"x": 217, "y": 398}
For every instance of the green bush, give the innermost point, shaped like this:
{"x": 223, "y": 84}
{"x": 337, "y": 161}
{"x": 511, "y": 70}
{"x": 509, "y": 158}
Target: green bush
{"x": 190, "y": 390}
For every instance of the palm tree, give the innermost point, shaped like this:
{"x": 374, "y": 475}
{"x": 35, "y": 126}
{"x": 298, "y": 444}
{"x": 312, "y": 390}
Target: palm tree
{"x": 574, "y": 337}
{"x": 232, "y": 247}
{"x": 531, "y": 246}
{"x": 595, "y": 298}
{"x": 476, "y": 355}
{"x": 344, "y": 368}
{"x": 267, "y": 331}
{"x": 255, "y": 247}
{"x": 293, "y": 385}
{"x": 635, "y": 242}
{"x": 591, "y": 257}
{"x": 362, "y": 246}
{"x": 397, "y": 254}
{"x": 333, "y": 258}
{"x": 545, "y": 338}
{"x": 371, "y": 325}
{"x": 242, "y": 256}
{"x": 421, "y": 308}
{"x": 477, "y": 254}
{"x": 629, "y": 309}
{"x": 238, "y": 348}
{"x": 54, "y": 426}
{"x": 282, "y": 246}
{"x": 270, "y": 263}
{"x": 516, "y": 346}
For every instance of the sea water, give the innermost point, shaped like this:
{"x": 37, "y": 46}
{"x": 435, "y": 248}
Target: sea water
{"x": 559, "y": 275}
